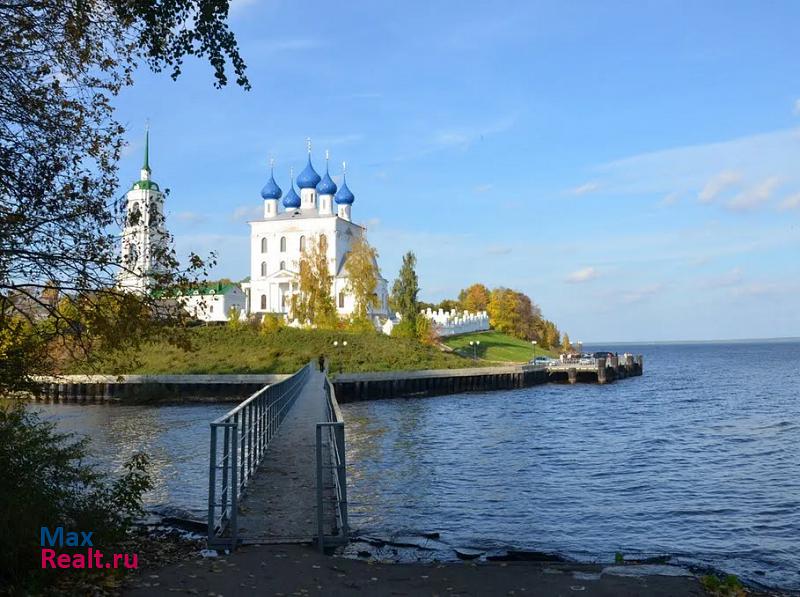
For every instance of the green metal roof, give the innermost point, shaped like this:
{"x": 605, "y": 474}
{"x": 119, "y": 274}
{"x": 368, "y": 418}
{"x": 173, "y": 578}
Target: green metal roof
{"x": 202, "y": 290}
{"x": 145, "y": 185}
{"x": 217, "y": 288}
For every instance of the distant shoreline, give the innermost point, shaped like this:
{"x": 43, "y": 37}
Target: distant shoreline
{"x": 780, "y": 340}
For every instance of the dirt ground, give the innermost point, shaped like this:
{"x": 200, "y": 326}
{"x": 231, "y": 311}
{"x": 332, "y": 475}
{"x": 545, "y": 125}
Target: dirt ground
{"x": 300, "y": 570}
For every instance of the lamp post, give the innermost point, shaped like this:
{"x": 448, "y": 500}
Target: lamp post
{"x": 534, "y": 351}
{"x": 474, "y": 344}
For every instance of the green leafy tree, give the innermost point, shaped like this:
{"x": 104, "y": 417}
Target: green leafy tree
{"x": 314, "y": 302}
{"x": 52, "y": 485}
{"x": 361, "y": 267}
{"x": 449, "y": 305}
{"x": 62, "y": 62}
{"x": 404, "y": 297}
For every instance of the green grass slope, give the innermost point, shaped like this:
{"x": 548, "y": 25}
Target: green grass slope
{"x": 225, "y": 350}
{"x": 495, "y": 346}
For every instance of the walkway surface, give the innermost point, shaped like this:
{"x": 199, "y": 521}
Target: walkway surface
{"x": 279, "y": 504}
{"x": 299, "y": 570}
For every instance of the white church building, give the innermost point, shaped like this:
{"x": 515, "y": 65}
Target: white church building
{"x": 278, "y": 240}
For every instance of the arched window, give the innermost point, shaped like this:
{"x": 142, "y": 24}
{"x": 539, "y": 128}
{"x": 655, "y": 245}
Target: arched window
{"x": 263, "y": 302}
{"x": 135, "y": 215}
{"x": 341, "y": 300}
{"x": 283, "y": 265}
{"x": 133, "y": 254}
{"x": 263, "y": 245}
{"x": 264, "y": 268}
{"x": 302, "y": 243}
{"x": 283, "y": 244}
{"x": 323, "y": 243}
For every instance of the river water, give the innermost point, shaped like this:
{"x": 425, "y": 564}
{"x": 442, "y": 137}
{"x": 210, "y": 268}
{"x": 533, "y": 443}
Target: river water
{"x": 699, "y": 458}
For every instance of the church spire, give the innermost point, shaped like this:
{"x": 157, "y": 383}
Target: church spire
{"x": 146, "y": 165}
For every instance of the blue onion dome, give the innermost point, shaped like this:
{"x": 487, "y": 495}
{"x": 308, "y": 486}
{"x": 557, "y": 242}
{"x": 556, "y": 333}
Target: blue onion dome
{"x": 292, "y": 200}
{"x": 326, "y": 185}
{"x": 308, "y": 178}
{"x": 344, "y": 196}
{"x": 271, "y": 190}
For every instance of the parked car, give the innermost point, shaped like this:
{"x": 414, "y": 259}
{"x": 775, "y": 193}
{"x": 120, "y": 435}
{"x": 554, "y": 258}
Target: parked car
{"x": 603, "y": 354}
{"x": 542, "y": 360}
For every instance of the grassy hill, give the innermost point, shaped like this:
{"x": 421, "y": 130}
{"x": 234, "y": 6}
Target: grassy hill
{"x": 224, "y": 350}
{"x": 495, "y": 347}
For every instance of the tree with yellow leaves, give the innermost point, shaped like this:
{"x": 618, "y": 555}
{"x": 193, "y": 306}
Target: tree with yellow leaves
{"x": 361, "y": 267}
{"x": 314, "y": 302}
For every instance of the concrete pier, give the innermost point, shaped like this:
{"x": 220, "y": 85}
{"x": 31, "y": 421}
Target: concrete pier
{"x": 350, "y": 387}
{"x": 140, "y": 389}
{"x": 600, "y": 371}
{"x": 353, "y": 387}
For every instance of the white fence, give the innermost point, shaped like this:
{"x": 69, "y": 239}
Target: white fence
{"x": 450, "y": 323}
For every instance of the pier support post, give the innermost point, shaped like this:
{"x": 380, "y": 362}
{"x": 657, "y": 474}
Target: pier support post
{"x": 601, "y": 371}
{"x": 572, "y": 375}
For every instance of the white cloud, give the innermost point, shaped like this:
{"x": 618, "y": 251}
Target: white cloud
{"x": 636, "y": 296}
{"x": 245, "y": 213}
{"x": 670, "y": 199}
{"x": 688, "y": 169}
{"x": 582, "y": 275}
{"x": 732, "y": 278}
{"x": 718, "y": 184}
{"x": 585, "y": 188}
{"x": 755, "y": 195}
{"x": 465, "y": 136}
{"x": 498, "y": 250}
{"x": 483, "y": 188}
{"x": 237, "y": 6}
{"x": 791, "y": 202}
{"x": 762, "y": 288}
{"x": 190, "y": 217}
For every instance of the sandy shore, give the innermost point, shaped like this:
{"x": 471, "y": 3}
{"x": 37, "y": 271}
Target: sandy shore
{"x": 300, "y": 570}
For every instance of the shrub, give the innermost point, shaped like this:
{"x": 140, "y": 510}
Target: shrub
{"x": 234, "y": 322}
{"x": 271, "y": 324}
{"x": 426, "y": 333}
{"x": 729, "y": 586}
{"x": 48, "y": 484}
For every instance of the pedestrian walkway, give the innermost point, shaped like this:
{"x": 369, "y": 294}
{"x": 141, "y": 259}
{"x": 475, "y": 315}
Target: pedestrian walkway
{"x": 279, "y": 504}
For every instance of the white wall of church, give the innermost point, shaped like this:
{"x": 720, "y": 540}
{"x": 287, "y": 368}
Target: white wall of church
{"x": 277, "y": 242}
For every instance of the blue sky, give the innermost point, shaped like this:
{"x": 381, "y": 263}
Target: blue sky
{"x": 633, "y": 166}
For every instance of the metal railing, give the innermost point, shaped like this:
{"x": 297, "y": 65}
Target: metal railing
{"x": 239, "y": 440}
{"x": 330, "y": 443}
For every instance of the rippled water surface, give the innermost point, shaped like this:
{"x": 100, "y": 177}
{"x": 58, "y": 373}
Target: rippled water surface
{"x": 699, "y": 458}
{"x": 175, "y": 438}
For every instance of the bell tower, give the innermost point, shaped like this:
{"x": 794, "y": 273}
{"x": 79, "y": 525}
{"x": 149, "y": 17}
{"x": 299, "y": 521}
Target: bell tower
{"x": 144, "y": 236}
